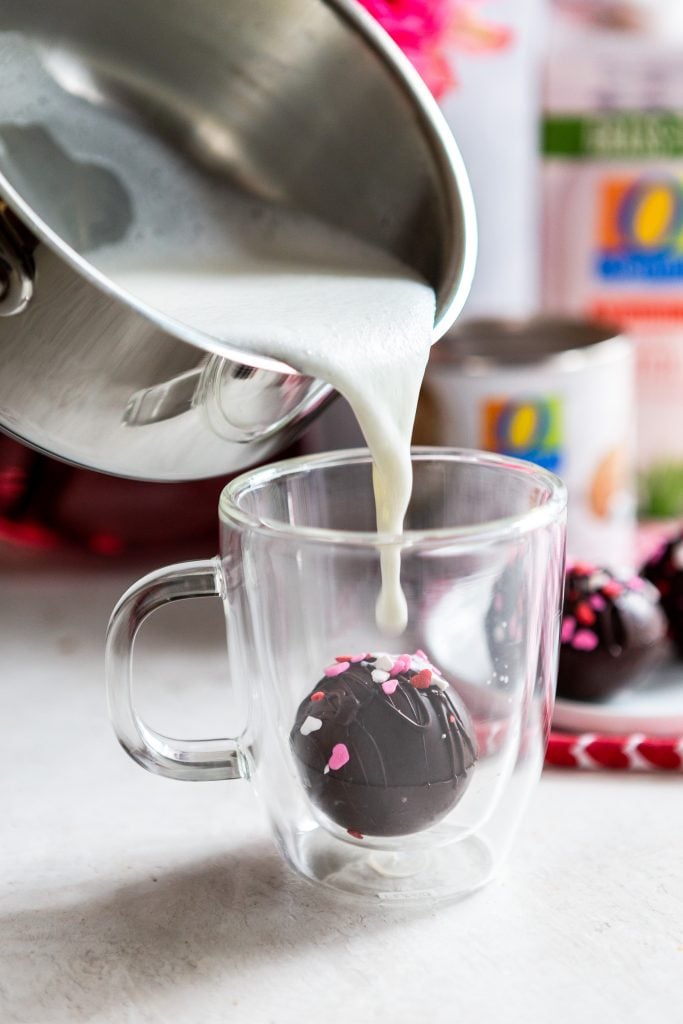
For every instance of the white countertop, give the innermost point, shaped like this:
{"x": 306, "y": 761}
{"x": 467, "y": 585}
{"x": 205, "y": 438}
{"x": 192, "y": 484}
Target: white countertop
{"x": 132, "y": 899}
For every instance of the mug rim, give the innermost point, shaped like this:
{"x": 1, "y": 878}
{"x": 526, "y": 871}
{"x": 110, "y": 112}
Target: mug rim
{"x": 494, "y": 530}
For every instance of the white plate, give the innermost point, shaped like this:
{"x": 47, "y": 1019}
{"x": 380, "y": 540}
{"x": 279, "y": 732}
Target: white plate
{"x": 655, "y": 709}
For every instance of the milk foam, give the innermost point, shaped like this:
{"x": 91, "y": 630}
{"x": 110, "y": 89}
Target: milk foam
{"x": 275, "y": 282}
{"x": 199, "y": 249}
{"x": 366, "y": 332}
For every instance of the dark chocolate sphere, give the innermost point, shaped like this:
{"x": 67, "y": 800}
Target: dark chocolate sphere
{"x": 665, "y": 570}
{"x": 383, "y": 746}
{"x": 613, "y": 633}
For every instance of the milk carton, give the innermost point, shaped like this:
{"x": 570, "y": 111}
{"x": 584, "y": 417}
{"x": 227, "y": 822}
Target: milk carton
{"x": 613, "y": 203}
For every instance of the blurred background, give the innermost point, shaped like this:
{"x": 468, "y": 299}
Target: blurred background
{"x": 493, "y": 109}
{"x": 566, "y": 112}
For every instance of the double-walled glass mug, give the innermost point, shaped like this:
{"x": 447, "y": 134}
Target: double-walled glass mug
{"x": 395, "y": 768}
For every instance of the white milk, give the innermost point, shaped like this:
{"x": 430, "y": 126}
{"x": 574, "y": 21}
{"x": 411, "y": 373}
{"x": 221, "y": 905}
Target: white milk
{"x": 241, "y": 269}
{"x": 366, "y": 331}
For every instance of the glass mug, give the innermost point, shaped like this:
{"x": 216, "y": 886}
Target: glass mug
{"x": 388, "y": 768}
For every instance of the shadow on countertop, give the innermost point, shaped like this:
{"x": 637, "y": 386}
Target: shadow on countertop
{"x": 124, "y": 955}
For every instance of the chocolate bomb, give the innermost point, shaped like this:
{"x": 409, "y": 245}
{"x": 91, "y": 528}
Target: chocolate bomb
{"x": 383, "y": 746}
{"x": 613, "y": 633}
{"x": 665, "y": 570}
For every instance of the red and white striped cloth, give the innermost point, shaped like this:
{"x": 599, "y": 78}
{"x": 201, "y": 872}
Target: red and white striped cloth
{"x": 634, "y": 752}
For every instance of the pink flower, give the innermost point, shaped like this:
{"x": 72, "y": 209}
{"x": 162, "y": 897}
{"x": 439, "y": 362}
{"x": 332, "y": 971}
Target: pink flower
{"x": 473, "y": 34}
{"x": 427, "y": 29}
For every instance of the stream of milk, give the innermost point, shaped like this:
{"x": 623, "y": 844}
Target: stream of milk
{"x": 367, "y": 331}
{"x": 249, "y": 271}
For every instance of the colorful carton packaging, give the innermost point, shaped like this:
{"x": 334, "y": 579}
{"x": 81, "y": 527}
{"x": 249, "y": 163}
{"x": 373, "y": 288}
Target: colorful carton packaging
{"x": 613, "y": 207}
{"x": 555, "y": 392}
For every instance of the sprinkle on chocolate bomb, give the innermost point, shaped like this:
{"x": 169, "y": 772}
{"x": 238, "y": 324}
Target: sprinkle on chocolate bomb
{"x": 613, "y": 633}
{"x": 383, "y": 745}
{"x": 665, "y": 570}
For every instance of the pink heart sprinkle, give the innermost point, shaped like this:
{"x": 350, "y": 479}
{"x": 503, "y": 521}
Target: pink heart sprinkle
{"x": 568, "y": 628}
{"x": 356, "y": 658}
{"x": 336, "y": 670}
{"x": 390, "y": 686}
{"x": 421, "y": 656}
{"x": 584, "y": 640}
{"x": 402, "y": 664}
{"x": 338, "y": 757}
{"x": 636, "y": 583}
{"x": 597, "y": 601}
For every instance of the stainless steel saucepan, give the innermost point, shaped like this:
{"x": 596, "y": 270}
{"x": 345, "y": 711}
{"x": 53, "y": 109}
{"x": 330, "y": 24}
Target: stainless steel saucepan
{"x": 120, "y": 120}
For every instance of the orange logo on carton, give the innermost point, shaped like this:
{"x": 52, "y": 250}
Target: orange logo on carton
{"x": 640, "y": 228}
{"x": 526, "y": 428}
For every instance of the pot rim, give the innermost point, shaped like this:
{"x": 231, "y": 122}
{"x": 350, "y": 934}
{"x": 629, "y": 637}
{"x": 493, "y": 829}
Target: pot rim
{"x": 461, "y": 222}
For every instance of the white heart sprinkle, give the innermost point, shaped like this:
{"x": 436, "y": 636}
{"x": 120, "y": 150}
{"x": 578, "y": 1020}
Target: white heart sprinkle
{"x": 378, "y": 676}
{"x": 310, "y": 724}
{"x": 384, "y": 662}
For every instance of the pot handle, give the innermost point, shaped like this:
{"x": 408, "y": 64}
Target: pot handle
{"x": 176, "y": 759}
{"x": 17, "y": 270}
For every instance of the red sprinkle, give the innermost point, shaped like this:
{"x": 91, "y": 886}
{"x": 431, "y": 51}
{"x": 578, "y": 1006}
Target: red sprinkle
{"x": 585, "y": 614}
{"x": 355, "y": 833}
{"x": 318, "y": 695}
{"x": 343, "y": 657}
{"x": 612, "y": 589}
{"x": 583, "y": 568}
{"x": 451, "y": 718}
{"x": 422, "y": 680}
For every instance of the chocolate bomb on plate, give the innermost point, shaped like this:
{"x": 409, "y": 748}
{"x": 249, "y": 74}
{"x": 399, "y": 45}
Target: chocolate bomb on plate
{"x": 383, "y": 746}
{"x": 613, "y": 633}
{"x": 665, "y": 570}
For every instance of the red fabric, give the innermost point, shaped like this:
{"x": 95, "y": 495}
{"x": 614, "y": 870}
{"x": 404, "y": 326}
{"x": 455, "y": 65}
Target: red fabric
{"x": 46, "y": 504}
{"x": 559, "y": 753}
{"x": 615, "y": 753}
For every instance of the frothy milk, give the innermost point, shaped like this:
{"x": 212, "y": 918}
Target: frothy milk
{"x": 358, "y": 319}
{"x": 239, "y": 268}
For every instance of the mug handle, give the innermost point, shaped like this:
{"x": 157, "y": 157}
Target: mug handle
{"x": 176, "y": 759}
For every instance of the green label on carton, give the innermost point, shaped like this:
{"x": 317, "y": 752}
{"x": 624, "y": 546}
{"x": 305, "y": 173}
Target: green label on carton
{"x": 615, "y": 135}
